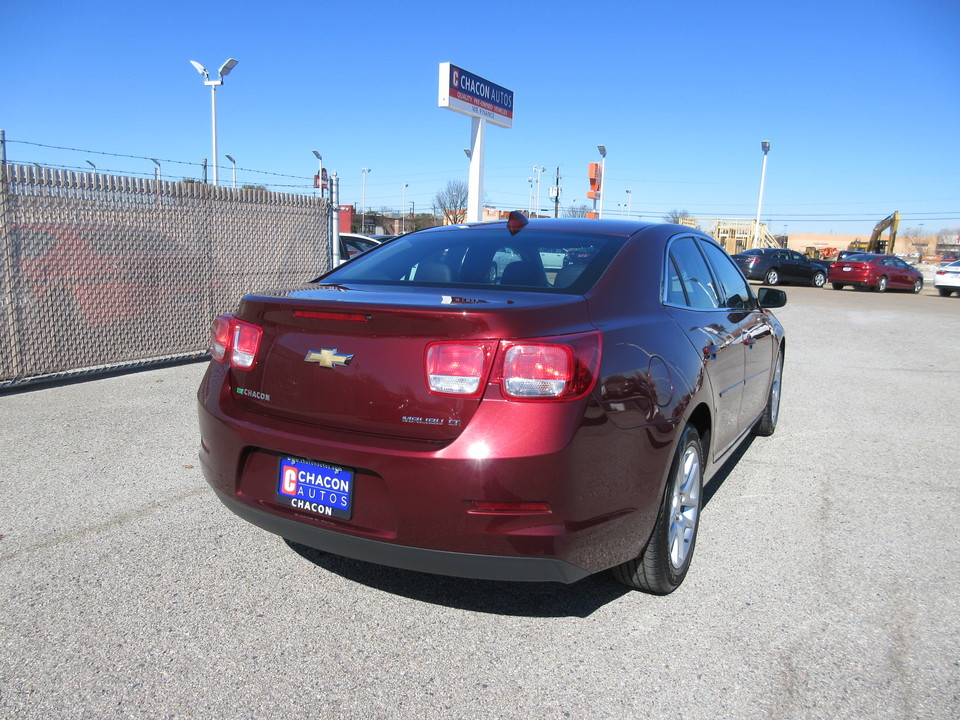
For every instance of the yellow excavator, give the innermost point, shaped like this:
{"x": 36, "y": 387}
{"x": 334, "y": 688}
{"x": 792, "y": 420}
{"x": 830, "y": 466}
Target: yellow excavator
{"x": 877, "y": 244}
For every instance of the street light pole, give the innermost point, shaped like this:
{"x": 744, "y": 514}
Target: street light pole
{"x": 221, "y": 74}
{"x": 319, "y": 172}
{"x": 538, "y": 170}
{"x": 765, "y": 146}
{"x": 603, "y": 176}
{"x": 629, "y": 202}
{"x": 234, "y": 163}
{"x": 403, "y": 206}
{"x": 157, "y": 163}
{"x": 363, "y": 200}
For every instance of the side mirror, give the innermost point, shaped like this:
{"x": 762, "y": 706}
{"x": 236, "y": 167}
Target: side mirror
{"x": 771, "y": 297}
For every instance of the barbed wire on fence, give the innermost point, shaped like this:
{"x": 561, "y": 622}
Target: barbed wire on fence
{"x": 306, "y": 185}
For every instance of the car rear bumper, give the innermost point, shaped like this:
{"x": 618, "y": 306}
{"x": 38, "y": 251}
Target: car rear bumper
{"x": 852, "y": 278}
{"x": 415, "y": 502}
{"x": 438, "y": 562}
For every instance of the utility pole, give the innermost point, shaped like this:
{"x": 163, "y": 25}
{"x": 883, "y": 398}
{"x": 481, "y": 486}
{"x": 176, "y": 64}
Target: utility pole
{"x": 556, "y": 195}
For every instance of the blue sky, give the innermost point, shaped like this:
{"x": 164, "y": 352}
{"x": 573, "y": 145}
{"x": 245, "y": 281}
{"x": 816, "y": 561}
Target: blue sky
{"x": 860, "y": 100}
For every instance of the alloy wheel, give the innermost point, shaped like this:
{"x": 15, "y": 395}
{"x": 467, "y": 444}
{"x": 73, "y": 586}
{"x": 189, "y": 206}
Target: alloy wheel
{"x": 684, "y": 506}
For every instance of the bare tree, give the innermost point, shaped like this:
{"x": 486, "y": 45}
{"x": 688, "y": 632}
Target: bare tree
{"x": 577, "y": 211}
{"x": 451, "y": 201}
{"x": 675, "y": 216}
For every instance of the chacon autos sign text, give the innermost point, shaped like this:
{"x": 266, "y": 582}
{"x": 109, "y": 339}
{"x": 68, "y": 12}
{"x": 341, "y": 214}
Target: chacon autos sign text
{"x": 470, "y": 94}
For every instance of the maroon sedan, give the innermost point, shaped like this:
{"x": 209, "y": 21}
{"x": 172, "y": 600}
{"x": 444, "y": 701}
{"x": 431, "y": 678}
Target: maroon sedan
{"x": 877, "y": 272}
{"x": 427, "y": 407}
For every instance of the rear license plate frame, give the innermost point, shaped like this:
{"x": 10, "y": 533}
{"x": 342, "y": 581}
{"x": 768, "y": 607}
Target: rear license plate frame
{"x": 318, "y": 488}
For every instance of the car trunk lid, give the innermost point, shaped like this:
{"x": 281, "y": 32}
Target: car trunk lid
{"x": 352, "y": 359}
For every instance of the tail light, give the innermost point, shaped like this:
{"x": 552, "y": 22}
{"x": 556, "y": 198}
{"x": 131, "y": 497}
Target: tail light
{"x": 556, "y": 368}
{"x": 235, "y": 342}
{"x": 458, "y": 368}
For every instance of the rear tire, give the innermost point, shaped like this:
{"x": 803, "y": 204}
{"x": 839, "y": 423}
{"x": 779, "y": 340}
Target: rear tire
{"x": 881, "y": 285}
{"x": 772, "y": 277}
{"x": 945, "y": 292}
{"x": 664, "y": 562}
{"x": 837, "y": 286}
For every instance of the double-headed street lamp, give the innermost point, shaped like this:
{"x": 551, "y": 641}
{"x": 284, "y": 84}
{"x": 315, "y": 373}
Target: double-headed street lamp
{"x": 221, "y": 74}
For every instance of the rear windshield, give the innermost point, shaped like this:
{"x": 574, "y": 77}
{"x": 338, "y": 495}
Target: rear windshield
{"x": 533, "y": 259}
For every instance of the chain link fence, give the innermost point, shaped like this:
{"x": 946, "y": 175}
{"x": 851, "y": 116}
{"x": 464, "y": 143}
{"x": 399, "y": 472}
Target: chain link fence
{"x": 101, "y": 273}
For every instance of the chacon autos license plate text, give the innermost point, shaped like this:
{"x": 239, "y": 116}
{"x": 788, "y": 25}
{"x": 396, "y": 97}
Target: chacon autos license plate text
{"x": 318, "y": 488}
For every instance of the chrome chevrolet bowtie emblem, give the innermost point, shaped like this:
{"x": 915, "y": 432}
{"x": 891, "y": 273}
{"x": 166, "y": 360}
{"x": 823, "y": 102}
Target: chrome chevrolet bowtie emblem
{"x": 328, "y": 358}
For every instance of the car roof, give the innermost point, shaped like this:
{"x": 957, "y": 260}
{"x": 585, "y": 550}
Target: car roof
{"x": 623, "y": 228}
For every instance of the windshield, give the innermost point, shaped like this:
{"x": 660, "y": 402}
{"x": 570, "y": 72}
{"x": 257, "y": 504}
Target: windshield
{"x": 461, "y": 256}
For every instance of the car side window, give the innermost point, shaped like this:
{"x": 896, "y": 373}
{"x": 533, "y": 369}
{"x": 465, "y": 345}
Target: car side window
{"x": 693, "y": 273}
{"x": 735, "y": 290}
{"x": 675, "y": 292}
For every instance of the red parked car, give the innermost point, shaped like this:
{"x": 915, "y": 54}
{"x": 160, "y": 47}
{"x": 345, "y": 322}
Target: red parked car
{"x": 422, "y": 407}
{"x": 877, "y": 272}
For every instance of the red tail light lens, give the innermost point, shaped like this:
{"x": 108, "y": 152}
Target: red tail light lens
{"x": 246, "y": 343}
{"x": 537, "y": 370}
{"x": 235, "y": 342}
{"x": 497, "y": 507}
{"x": 220, "y": 337}
{"x": 550, "y": 368}
{"x": 458, "y": 368}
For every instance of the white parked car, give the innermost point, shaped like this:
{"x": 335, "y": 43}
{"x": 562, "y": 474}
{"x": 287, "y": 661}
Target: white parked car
{"x": 947, "y": 279}
{"x": 353, "y": 244}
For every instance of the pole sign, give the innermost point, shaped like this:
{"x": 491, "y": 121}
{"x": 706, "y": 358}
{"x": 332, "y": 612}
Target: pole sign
{"x": 464, "y": 92}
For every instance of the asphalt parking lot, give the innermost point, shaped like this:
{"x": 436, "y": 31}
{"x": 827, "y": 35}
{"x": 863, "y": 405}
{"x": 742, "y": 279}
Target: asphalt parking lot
{"x": 825, "y": 581}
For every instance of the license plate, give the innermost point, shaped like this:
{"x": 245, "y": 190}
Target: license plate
{"x": 314, "y": 487}
{"x": 846, "y": 269}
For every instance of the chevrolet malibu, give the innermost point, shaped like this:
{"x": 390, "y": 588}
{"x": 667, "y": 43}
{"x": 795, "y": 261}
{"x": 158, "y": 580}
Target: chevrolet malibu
{"x": 414, "y": 409}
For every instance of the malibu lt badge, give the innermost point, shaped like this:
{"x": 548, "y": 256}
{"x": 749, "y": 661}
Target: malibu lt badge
{"x": 328, "y": 358}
